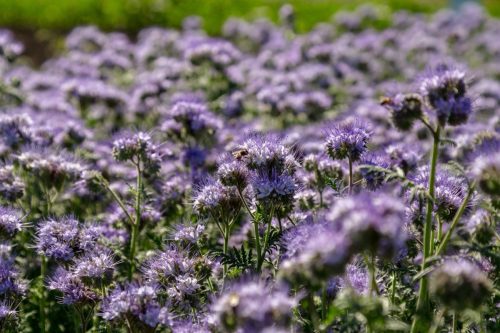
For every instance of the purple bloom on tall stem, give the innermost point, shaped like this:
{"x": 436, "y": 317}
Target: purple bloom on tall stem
{"x": 347, "y": 140}
{"x": 445, "y": 89}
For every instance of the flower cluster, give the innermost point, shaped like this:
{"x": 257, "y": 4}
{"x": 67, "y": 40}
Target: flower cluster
{"x": 265, "y": 180}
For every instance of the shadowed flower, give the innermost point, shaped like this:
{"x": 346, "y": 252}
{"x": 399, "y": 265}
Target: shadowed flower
{"x": 460, "y": 284}
{"x": 250, "y": 306}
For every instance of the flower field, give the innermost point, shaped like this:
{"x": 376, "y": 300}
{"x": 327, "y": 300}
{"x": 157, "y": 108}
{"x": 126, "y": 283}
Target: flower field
{"x": 345, "y": 179}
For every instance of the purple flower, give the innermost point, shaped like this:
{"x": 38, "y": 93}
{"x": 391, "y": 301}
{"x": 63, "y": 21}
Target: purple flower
{"x": 97, "y": 265}
{"x": 315, "y": 252}
{"x": 274, "y": 190}
{"x": 405, "y": 109}
{"x": 266, "y": 154}
{"x": 10, "y": 221}
{"x": 52, "y": 169}
{"x": 445, "y": 89}
{"x": 191, "y": 120}
{"x": 347, "y": 140}
{"x": 250, "y": 306}
{"x": 166, "y": 266}
{"x": 233, "y": 173}
{"x": 58, "y": 239}
{"x": 485, "y": 165}
{"x": 217, "y": 52}
{"x": 138, "y": 148}
{"x": 374, "y": 178}
{"x": 9, "y": 47}
{"x": 459, "y": 285}
{"x": 187, "y": 233}
{"x": 73, "y": 290}
{"x": 374, "y": 221}
{"x": 11, "y": 284}
{"x": 136, "y": 304}
{"x": 356, "y": 277}
{"x": 217, "y": 201}
{"x": 449, "y": 192}
{"x": 11, "y": 186}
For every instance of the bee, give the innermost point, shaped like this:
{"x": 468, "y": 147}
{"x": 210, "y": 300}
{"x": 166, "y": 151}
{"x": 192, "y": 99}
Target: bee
{"x": 240, "y": 154}
{"x": 386, "y": 101}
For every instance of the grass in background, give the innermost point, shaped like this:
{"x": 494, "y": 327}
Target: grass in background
{"x": 132, "y": 15}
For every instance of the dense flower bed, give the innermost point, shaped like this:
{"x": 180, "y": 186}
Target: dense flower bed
{"x": 343, "y": 180}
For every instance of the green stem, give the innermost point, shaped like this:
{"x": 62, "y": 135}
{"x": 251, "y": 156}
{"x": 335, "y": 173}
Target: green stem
{"x": 118, "y": 201}
{"x": 257, "y": 244}
{"x": 256, "y": 230}
{"x": 42, "y": 305}
{"x": 393, "y": 288}
{"x": 370, "y": 263}
{"x": 135, "y": 225}
{"x": 313, "y": 314}
{"x": 324, "y": 302}
{"x": 423, "y": 299}
{"x": 266, "y": 243}
{"x": 224, "y": 249}
{"x": 350, "y": 175}
{"x": 454, "y": 222}
{"x": 440, "y": 230}
{"x": 454, "y": 325}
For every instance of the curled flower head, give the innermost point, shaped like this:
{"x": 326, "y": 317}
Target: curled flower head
{"x": 188, "y": 120}
{"x": 73, "y": 290}
{"x": 315, "y": 251}
{"x": 217, "y": 201}
{"x": 97, "y": 265}
{"x": 58, "y": 238}
{"x": 250, "y": 306}
{"x": 275, "y": 191}
{"x": 12, "y": 286}
{"x": 233, "y": 173}
{"x": 266, "y": 154}
{"x": 11, "y": 186}
{"x": 460, "y": 284}
{"x": 138, "y": 148}
{"x": 445, "y": 89}
{"x": 450, "y": 192}
{"x": 51, "y": 168}
{"x": 188, "y": 233}
{"x": 374, "y": 178}
{"x": 137, "y": 305}
{"x": 347, "y": 140}
{"x": 374, "y": 221}
{"x": 163, "y": 268}
{"x": 485, "y": 165}
{"x": 405, "y": 109}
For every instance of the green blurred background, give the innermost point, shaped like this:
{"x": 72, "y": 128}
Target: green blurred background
{"x": 131, "y": 15}
{"x": 41, "y": 23}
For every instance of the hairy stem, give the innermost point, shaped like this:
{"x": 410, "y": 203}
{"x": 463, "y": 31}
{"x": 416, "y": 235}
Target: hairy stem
{"x": 135, "y": 225}
{"x": 225, "y": 246}
{"x": 423, "y": 297}
{"x": 41, "y": 304}
{"x": 350, "y": 175}
{"x": 393, "y": 288}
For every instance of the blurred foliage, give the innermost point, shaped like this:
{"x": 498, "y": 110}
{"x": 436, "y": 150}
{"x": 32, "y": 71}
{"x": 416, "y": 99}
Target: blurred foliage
{"x": 132, "y": 15}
